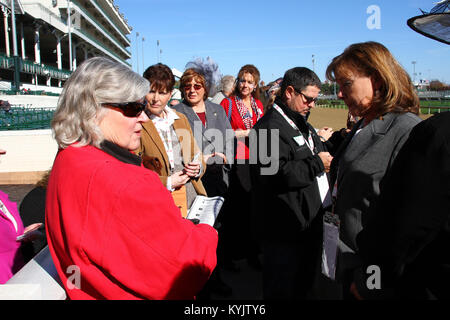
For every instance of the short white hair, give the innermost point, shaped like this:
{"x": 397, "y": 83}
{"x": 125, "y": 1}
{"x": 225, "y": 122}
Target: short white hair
{"x": 227, "y": 83}
{"x": 97, "y": 80}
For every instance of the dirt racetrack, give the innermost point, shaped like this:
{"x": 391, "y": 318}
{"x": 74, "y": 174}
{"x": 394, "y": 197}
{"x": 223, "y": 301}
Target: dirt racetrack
{"x": 334, "y": 118}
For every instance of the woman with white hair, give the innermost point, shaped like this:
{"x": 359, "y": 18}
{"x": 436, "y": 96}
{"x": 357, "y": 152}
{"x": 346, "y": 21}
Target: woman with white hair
{"x": 113, "y": 229}
{"x": 226, "y": 87}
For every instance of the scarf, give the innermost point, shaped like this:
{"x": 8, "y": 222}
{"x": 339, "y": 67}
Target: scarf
{"x": 165, "y": 128}
{"x": 245, "y": 114}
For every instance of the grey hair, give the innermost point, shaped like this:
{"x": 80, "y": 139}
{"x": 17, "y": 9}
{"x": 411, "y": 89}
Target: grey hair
{"x": 227, "y": 83}
{"x": 97, "y": 80}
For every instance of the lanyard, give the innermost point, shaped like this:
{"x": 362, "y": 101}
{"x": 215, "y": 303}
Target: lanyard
{"x": 322, "y": 180}
{"x": 166, "y": 137}
{"x": 309, "y": 142}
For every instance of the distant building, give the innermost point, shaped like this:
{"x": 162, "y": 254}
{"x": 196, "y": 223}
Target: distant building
{"x": 47, "y": 49}
{"x": 422, "y": 85}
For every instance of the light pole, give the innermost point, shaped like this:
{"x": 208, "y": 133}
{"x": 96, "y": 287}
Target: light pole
{"x": 137, "y": 52}
{"x": 157, "y": 50}
{"x": 143, "y": 64}
{"x": 414, "y": 71}
{"x": 313, "y": 63}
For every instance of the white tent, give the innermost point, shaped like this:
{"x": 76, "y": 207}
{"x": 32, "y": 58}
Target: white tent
{"x": 177, "y": 73}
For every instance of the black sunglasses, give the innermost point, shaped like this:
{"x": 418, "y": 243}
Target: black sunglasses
{"x": 129, "y": 109}
{"x": 308, "y": 99}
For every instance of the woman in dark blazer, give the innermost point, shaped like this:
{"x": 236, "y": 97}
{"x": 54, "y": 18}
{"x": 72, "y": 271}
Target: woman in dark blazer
{"x": 413, "y": 219}
{"x": 378, "y": 90}
{"x": 212, "y": 131}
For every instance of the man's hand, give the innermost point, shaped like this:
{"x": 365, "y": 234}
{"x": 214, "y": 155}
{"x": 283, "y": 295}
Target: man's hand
{"x": 326, "y": 160}
{"x": 325, "y": 133}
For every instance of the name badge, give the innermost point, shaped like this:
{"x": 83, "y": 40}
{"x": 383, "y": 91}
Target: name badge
{"x": 299, "y": 140}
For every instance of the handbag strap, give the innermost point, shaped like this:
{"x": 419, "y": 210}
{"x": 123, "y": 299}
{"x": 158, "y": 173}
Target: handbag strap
{"x": 230, "y": 105}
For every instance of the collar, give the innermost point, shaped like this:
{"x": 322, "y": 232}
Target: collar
{"x": 298, "y": 119}
{"x": 120, "y": 153}
{"x": 167, "y": 121}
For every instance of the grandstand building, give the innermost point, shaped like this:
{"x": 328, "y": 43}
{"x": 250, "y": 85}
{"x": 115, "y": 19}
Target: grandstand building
{"x": 43, "y": 41}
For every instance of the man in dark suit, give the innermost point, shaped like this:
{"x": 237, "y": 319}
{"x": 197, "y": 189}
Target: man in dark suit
{"x": 290, "y": 197}
{"x": 408, "y": 232}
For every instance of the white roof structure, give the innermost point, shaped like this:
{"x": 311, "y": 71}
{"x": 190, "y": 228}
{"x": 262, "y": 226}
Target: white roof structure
{"x": 177, "y": 73}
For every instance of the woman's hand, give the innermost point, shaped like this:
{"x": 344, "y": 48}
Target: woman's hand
{"x": 221, "y": 155}
{"x": 179, "y": 179}
{"x": 242, "y": 133}
{"x": 192, "y": 169}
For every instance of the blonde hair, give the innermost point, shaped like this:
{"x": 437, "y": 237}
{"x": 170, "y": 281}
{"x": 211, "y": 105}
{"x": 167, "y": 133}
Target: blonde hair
{"x": 98, "y": 80}
{"x": 372, "y": 59}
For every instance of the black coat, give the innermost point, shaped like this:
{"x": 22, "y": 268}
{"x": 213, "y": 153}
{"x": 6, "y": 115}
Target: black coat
{"x": 408, "y": 234}
{"x": 288, "y": 200}
{"x": 287, "y": 205}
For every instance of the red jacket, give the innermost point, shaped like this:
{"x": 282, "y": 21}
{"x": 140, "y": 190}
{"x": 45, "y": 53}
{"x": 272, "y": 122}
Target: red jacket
{"x": 119, "y": 225}
{"x": 236, "y": 122}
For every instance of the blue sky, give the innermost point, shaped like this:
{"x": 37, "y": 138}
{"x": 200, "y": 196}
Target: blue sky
{"x": 278, "y": 35}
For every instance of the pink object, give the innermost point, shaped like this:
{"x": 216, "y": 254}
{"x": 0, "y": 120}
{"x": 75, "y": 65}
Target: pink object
{"x": 11, "y": 227}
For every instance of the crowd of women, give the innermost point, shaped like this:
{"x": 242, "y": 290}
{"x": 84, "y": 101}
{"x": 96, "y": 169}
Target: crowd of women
{"x": 129, "y": 167}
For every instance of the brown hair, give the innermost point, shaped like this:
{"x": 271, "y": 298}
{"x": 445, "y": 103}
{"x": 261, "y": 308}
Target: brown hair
{"x": 187, "y": 77}
{"x": 43, "y": 182}
{"x": 160, "y": 77}
{"x": 251, "y": 69}
{"x": 372, "y": 59}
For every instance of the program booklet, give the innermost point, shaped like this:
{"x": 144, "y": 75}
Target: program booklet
{"x": 205, "y": 209}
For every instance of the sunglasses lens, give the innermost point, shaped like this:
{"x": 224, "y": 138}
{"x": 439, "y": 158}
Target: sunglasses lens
{"x": 196, "y": 87}
{"x": 130, "y": 109}
{"x": 133, "y": 109}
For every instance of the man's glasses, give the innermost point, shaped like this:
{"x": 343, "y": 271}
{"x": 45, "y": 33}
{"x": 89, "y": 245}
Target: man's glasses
{"x": 196, "y": 87}
{"x": 308, "y": 99}
{"x": 129, "y": 109}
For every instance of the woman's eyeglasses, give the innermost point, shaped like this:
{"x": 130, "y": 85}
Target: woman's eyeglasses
{"x": 129, "y": 109}
{"x": 196, "y": 86}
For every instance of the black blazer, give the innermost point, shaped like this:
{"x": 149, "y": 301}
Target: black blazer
{"x": 408, "y": 233}
{"x": 360, "y": 163}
